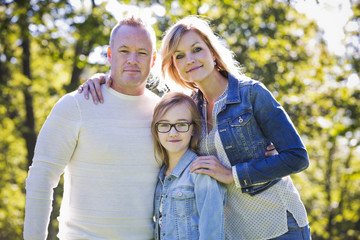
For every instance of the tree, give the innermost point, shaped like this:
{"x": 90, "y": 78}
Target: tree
{"x": 33, "y": 40}
{"x": 44, "y": 53}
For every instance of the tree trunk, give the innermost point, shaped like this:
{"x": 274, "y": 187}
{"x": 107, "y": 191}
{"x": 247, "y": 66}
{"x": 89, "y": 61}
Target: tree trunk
{"x": 76, "y": 72}
{"x": 29, "y": 133}
{"x": 328, "y": 186}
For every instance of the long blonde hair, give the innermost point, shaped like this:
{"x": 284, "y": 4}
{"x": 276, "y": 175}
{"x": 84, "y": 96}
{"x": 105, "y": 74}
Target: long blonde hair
{"x": 224, "y": 57}
{"x": 167, "y": 102}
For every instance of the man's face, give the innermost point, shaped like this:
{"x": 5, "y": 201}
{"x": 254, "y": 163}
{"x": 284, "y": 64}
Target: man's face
{"x": 131, "y": 57}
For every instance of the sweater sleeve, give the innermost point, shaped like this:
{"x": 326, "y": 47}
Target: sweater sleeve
{"x": 54, "y": 147}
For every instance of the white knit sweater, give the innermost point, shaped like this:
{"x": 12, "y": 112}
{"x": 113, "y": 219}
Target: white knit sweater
{"x": 106, "y": 151}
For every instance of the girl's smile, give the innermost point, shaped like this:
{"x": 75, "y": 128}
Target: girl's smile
{"x": 176, "y": 143}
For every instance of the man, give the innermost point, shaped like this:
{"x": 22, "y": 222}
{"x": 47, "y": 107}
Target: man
{"x": 105, "y": 150}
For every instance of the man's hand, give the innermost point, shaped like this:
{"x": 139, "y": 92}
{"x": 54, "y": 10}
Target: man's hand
{"x": 271, "y": 151}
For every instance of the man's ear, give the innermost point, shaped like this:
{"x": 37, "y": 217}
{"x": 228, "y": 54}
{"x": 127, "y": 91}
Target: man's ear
{"x": 109, "y": 54}
{"x": 154, "y": 58}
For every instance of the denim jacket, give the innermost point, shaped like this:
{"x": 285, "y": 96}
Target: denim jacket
{"x": 193, "y": 204}
{"x": 248, "y": 122}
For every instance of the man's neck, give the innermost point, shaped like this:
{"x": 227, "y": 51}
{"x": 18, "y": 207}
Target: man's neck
{"x": 135, "y": 91}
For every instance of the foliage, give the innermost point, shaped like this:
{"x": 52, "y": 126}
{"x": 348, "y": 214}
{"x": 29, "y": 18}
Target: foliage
{"x": 45, "y": 52}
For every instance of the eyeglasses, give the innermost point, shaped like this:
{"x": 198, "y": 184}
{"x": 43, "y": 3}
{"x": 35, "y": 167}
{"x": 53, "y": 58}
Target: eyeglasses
{"x": 182, "y": 127}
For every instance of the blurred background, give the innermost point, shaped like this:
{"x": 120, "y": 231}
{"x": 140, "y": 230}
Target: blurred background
{"x": 307, "y": 52}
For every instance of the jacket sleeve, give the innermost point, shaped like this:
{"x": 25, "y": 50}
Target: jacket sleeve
{"x": 210, "y": 199}
{"x": 279, "y": 129}
{"x": 54, "y": 148}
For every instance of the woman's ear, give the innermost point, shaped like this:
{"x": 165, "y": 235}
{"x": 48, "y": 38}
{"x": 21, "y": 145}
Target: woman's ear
{"x": 154, "y": 58}
{"x": 109, "y": 54}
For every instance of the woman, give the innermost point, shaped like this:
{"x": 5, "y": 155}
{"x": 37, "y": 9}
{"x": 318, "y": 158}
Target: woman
{"x": 240, "y": 117}
{"x": 186, "y": 205}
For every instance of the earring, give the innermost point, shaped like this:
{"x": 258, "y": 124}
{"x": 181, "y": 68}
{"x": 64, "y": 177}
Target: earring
{"x": 214, "y": 63}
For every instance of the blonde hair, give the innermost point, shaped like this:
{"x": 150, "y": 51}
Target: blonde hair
{"x": 170, "y": 100}
{"x": 224, "y": 57}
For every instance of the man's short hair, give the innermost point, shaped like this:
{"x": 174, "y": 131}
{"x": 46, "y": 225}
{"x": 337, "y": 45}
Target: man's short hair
{"x": 135, "y": 21}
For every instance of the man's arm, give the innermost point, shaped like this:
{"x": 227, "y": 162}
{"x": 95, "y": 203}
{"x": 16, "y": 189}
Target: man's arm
{"x": 55, "y": 145}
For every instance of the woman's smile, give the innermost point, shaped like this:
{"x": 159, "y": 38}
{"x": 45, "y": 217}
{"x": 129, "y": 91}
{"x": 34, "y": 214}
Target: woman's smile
{"x": 192, "y": 54}
{"x": 194, "y": 69}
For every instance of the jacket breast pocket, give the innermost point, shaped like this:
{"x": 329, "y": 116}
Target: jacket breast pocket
{"x": 247, "y": 135}
{"x": 241, "y": 128}
{"x": 183, "y": 202}
{"x": 241, "y": 119}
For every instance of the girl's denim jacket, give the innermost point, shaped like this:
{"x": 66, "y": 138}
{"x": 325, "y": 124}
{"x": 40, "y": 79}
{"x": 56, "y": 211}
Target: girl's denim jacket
{"x": 193, "y": 204}
{"x": 248, "y": 122}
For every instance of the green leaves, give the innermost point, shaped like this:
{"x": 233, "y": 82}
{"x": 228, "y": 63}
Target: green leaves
{"x": 271, "y": 40}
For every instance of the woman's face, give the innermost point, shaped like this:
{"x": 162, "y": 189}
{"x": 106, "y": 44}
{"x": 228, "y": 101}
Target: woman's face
{"x": 176, "y": 143}
{"x": 193, "y": 59}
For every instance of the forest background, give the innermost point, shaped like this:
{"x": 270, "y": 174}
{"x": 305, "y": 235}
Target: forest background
{"x": 48, "y": 48}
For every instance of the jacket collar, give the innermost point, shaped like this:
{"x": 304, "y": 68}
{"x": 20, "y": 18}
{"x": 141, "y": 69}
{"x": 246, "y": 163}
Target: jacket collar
{"x": 233, "y": 91}
{"x": 183, "y": 163}
{"x": 233, "y": 94}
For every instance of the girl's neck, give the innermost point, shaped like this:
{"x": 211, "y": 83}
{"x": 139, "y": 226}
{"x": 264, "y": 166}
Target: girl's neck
{"x": 213, "y": 87}
{"x": 174, "y": 158}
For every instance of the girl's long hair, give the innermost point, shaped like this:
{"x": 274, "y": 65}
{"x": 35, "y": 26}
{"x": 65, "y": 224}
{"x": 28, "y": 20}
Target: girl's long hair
{"x": 170, "y": 100}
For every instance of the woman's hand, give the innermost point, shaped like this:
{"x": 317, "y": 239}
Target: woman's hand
{"x": 211, "y": 166}
{"x": 93, "y": 84}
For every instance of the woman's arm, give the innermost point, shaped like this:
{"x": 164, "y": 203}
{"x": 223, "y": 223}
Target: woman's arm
{"x": 210, "y": 165}
{"x": 277, "y": 127}
{"x": 92, "y": 85}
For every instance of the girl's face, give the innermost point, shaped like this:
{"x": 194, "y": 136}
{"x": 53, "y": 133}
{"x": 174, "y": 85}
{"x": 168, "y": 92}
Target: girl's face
{"x": 193, "y": 59}
{"x": 176, "y": 143}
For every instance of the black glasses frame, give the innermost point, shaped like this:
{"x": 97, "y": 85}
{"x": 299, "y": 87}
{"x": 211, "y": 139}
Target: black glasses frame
{"x": 173, "y": 125}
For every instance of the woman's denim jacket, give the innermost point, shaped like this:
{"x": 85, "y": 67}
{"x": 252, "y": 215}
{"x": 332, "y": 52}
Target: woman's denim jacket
{"x": 193, "y": 204}
{"x": 249, "y": 121}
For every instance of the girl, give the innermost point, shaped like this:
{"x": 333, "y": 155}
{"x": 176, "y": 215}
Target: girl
{"x": 186, "y": 205}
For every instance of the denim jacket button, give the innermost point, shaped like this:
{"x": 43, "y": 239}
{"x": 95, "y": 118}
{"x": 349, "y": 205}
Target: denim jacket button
{"x": 180, "y": 194}
{"x": 240, "y": 120}
{"x": 169, "y": 179}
